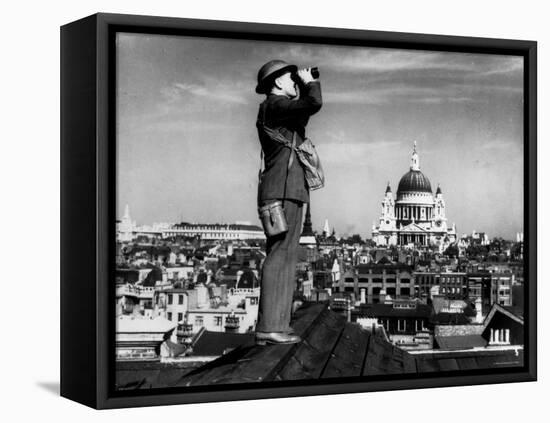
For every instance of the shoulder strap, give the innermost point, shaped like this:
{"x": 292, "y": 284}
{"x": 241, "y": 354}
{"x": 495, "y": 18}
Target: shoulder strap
{"x": 262, "y": 122}
{"x": 292, "y": 147}
{"x": 290, "y": 161}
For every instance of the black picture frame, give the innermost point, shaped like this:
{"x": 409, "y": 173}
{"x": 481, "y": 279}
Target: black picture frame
{"x": 88, "y": 207}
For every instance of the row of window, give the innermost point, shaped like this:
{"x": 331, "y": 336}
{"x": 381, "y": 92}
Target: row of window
{"x": 402, "y": 325}
{"x": 171, "y": 299}
{"x": 170, "y": 315}
{"x": 377, "y": 280}
{"x": 199, "y": 320}
{"x": 218, "y": 234}
{"x": 376, "y": 290}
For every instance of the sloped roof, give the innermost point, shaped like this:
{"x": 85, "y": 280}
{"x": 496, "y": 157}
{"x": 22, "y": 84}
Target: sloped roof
{"x": 412, "y": 227}
{"x": 127, "y": 324}
{"x": 388, "y": 310}
{"x": 500, "y": 309}
{"x": 450, "y": 319}
{"x": 217, "y": 343}
{"x": 331, "y": 347}
{"x": 460, "y": 342}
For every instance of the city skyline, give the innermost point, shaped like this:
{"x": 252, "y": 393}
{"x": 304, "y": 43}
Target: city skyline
{"x": 184, "y": 103}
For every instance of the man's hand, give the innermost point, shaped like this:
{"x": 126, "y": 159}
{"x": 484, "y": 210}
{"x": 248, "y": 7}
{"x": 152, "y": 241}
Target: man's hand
{"x": 305, "y": 75}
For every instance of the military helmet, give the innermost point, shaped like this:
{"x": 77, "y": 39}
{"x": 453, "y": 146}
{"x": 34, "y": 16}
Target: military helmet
{"x": 270, "y": 71}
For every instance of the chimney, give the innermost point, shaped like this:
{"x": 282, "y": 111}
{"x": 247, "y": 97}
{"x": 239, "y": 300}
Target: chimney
{"x": 479, "y": 312}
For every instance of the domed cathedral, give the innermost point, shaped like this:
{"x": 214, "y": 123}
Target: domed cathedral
{"x": 416, "y": 216}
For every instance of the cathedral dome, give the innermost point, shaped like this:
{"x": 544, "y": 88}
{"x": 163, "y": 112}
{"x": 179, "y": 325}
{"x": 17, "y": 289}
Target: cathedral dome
{"x": 414, "y": 181}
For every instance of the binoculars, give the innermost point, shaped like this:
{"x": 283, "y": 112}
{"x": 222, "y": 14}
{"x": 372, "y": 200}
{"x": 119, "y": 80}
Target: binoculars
{"x": 314, "y": 72}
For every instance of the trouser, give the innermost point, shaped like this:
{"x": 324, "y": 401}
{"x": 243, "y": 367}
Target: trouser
{"x": 279, "y": 273}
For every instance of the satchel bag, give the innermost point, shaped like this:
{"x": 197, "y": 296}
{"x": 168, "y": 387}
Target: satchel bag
{"x": 307, "y": 155}
{"x": 315, "y": 177}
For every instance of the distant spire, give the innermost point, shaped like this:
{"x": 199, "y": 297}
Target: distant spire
{"x": 127, "y": 212}
{"x": 326, "y": 229}
{"x": 308, "y": 227}
{"x": 388, "y": 188}
{"x": 415, "y": 160}
{"x": 438, "y": 190}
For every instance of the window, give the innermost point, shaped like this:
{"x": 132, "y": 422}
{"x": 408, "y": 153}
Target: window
{"x": 180, "y": 299}
{"x": 170, "y": 299}
{"x": 169, "y": 316}
{"x": 217, "y": 320}
{"x": 199, "y": 321}
{"x": 180, "y": 317}
{"x": 401, "y": 325}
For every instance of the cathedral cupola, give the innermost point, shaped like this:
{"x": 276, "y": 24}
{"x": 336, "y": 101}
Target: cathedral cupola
{"x": 414, "y": 181}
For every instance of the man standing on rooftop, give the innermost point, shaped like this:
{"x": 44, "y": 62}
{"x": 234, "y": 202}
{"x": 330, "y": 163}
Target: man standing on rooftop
{"x": 286, "y": 109}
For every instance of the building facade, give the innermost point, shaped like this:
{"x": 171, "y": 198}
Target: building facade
{"x": 127, "y": 230}
{"x": 415, "y": 217}
{"x": 371, "y": 283}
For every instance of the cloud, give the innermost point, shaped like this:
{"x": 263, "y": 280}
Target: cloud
{"x": 498, "y": 145}
{"x": 342, "y": 153}
{"x": 222, "y": 93}
{"x": 385, "y": 94}
{"x": 381, "y": 60}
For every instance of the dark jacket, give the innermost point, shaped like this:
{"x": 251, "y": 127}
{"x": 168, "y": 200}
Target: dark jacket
{"x": 288, "y": 116}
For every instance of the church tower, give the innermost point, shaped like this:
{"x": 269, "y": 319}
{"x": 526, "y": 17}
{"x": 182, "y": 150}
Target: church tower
{"x": 388, "y": 205}
{"x": 326, "y": 228}
{"x": 125, "y": 226}
{"x": 440, "y": 218}
{"x": 307, "y": 237}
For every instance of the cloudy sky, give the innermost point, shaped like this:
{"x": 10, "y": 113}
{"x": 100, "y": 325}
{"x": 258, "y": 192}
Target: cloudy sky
{"x": 188, "y": 149}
